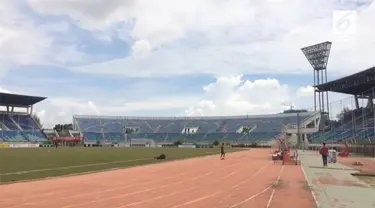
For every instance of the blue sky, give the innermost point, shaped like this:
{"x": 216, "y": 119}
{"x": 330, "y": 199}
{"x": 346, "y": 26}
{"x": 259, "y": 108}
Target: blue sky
{"x": 172, "y": 57}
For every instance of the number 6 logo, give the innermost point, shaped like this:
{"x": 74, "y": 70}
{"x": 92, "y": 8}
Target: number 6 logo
{"x": 344, "y": 22}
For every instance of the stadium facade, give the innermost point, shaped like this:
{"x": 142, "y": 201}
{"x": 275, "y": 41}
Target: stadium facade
{"x": 241, "y": 129}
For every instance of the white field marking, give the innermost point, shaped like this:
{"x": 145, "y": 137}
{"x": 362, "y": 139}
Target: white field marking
{"x": 261, "y": 192}
{"x": 206, "y": 174}
{"x": 206, "y": 154}
{"x": 174, "y": 193}
{"x": 28, "y": 203}
{"x": 271, "y": 198}
{"x": 113, "y": 189}
{"x": 138, "y": 192}
{"x": 274, "y": 189}
{"x": 73, "y": 166}
{"x": 197, "y": 200}
{"x": 255, "y": 174}
{"x": 242, "y": 182}
{"x": 117, "y": 196}
{"x": 134, "y": 185}
{"x": 227, "y": 176}
{"x": 232, "y": 173}
{"x": 102, "y": 191}
{"x": 118, "y": 188}
{"x": 128, "y": 194}
{"x": 88, "y": 193}
{"x": 157, "y": 198}
{"x": 171, "y": 194}
{"x": 310, "y": 187}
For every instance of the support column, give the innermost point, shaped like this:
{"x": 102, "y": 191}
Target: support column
{"x": 318, "y": 55}
{"x": 356, "y": 102}
{"x": 370, "y": 102}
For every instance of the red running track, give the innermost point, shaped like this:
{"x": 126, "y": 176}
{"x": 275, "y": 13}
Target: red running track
{"x": 244, "y": 179}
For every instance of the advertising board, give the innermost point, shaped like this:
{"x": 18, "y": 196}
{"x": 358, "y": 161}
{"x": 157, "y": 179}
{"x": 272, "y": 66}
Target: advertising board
{"x": 4, "y": 145}
{"x": 186, "y": 146}
{"x": 23, "y": 145}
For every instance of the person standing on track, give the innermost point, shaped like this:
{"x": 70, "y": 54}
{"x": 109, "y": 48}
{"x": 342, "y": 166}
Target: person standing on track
{"x": 222, "y": 155}
{"x": 324, "y": 153}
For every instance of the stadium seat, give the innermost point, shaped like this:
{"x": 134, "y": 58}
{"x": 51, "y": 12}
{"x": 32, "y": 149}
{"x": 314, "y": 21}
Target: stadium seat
{"x": 34, "y": 136}
{"x": 171, "y": 129}
{"x": 20, "y": 128}
{"x": 13, "y": 136}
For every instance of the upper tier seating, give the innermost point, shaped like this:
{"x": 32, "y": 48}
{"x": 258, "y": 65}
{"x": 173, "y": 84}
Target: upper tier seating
{"x": 356, "y": 124}
{"x": 169, "y": 129}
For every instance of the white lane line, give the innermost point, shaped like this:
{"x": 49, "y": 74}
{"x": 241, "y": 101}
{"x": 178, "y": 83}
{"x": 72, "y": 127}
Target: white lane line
{"x": 255, "y": 174}
{"x": 157, "y": 198}
{"x": 259, "y": 193}
{"x": 196, "y": 200}
{"x": 147, "y": 190}
{"x": 73, "y": 166}
{"x": 310, "y": 187}
{"x": 271, "y": 198}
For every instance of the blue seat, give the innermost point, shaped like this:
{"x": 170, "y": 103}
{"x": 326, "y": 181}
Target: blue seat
{"x": 13, "y": 136}
{"x": 34, "y": 136}
{"x": 171, "y": 129}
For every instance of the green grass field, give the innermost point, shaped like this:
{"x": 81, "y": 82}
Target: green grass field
{"x": 35, "y": 163}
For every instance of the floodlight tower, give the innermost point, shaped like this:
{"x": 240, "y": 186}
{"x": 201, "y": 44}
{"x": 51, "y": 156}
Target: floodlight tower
{"x": 318, "y": 56}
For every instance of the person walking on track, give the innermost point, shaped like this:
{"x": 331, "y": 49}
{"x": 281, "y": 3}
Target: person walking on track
{"x": 222, "y": 155}
{"x": 324, "y": 153}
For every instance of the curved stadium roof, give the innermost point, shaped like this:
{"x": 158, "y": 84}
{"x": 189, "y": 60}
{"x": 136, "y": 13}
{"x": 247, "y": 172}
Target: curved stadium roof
{"x": 354, "y": 84}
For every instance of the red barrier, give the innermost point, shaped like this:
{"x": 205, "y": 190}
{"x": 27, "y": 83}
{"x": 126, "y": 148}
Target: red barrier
{"x": 344, "y": 150}
{"x": 67, "y": 139}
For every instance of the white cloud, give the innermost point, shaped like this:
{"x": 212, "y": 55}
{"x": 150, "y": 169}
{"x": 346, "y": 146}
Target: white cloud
{"x": 219, "y": 36}
{"x": 93, "y": 107}
{"x": 141, "y": 49}
{"x": 305, "y": 91}
{"x": 232, "y": 95}
{"x": 23, "y": 42}
{"x": 90, "y": 14}
{"x": 176, "y": 37}
{"x": 159, "y": 104}
{"x": 227, "y": 95}
{"x": 4, "y": 90}
{"x": 60, "y": 110}
{"x": 41, "y": 115}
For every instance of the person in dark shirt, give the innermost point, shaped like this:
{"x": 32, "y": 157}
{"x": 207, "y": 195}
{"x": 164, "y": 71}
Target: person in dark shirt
{"x": 222, "y": 155}
{"x": 324, "y": 153}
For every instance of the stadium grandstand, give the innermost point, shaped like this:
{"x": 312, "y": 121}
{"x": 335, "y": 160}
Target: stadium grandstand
{"x": 354, "y": 123}
{"x": 349, "y": 120}
{"x": 19, "y": 126}
{"x": 238, "y": 129}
